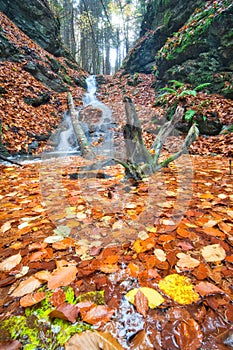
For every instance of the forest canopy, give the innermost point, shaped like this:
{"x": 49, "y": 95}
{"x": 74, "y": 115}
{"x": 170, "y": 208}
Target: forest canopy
{"x": 99, "y": 33}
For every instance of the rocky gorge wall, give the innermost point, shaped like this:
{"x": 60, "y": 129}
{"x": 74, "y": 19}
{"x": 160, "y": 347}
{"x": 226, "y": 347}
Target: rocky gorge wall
{"x": 191, "y": 42}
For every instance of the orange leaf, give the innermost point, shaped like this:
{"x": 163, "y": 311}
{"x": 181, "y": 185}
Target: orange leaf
{"x": 98, "y": 314}
{"x": 32, "y": 299}
{"x": 26, "y": 286}
{"x": 214, "y": 232}
{"x": 62, "y": 277}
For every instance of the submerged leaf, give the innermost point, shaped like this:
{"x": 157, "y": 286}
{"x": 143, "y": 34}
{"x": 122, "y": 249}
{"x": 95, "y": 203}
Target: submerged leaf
{"x": 179, "y": 288}
{"x": 93, "y": 341}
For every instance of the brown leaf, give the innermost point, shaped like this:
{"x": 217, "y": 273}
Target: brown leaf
{"x": 66, "y": 311}
{"x": 188, "y": 335}
{"x": 97, "y": 314}
{"x": 10, "y": 345}
{"x": 93, "y": 341}
{"x": 58, "y": 297}
{"x": 141, "y": 341}
{"x": 62, "y": 277}
{"x": 141, "y": 303}
{"x": 206, "y": 288}
{"x": 26, "y": 286}
{"x": 32, "y": 299}
{"x": 9, "y": 263}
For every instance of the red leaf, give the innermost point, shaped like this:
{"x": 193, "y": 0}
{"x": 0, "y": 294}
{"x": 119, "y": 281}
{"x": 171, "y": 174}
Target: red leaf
{"x": 206, "y": 288}
{"x": 97, "y": 314}
{"x": 66, "y": 311}
{"x": 141, "y": 303}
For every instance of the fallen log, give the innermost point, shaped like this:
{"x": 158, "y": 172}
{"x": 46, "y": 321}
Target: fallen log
{"x": 85, "y": 147}
{"x": 9, "y": 160}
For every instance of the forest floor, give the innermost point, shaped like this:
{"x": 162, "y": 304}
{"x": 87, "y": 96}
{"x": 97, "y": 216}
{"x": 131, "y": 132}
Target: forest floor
{"x": 147, "y": 265}
{"x": 76, "y": 251}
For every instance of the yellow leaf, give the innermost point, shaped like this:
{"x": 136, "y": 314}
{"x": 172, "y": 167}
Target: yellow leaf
{"x": 154, "y": 297}
{"x": 179, "y": 288}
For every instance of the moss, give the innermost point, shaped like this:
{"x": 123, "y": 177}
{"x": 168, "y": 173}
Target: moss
{"x": 96, "y": 297}
{"x": 192, "y": 32}
{"x": 166, "y": 18}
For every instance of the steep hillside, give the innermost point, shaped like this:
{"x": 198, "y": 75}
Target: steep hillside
{"x": 33, "y": 90}
{"x": 37, "y": 21}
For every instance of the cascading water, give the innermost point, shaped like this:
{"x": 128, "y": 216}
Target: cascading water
{"x": 67, "y": 140}
{"x": 90, "y": 96}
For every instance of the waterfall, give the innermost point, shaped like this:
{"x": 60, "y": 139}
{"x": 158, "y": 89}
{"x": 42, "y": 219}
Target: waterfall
{"x": 67, "y": 140}
{"x": 90, "y": 96}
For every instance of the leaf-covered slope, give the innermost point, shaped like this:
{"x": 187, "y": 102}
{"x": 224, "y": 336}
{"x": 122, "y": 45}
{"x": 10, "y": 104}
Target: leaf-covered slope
{"x": 33, "y": 89}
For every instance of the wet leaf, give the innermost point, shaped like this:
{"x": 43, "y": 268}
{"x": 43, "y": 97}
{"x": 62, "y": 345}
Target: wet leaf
{"x": 179, "y": 288}
{"x": 213, "y": 253}
{"x": 141, "y": 303}
{"x": 93, "y": 341}
{"x": 9, "y": 263}
{"x": 154, "y": 298}
{"x": 32, "y": 299}
{"x": 206, "y": 288}
{"x": 141, "y": 341}
{"x": 188, "y": 335}
{"x": 97, "y": 314}
{"x": 10, "y": 345}
{"x": 62, "y": 277}
{"x": 26, "y": 286}
{"x": 66, "y": 311}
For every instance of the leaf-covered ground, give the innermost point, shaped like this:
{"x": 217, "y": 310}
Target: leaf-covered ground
{"x": 148, "y": 265}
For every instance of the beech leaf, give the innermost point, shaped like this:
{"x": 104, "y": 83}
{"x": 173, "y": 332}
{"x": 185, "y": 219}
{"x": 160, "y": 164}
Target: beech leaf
{"x": 62, "y": 277}
{"x": 26, "y": 286}
{"x": 66, "y": 311}
{"x": 9, "y": 263}
{"x": 206, "y": 288}
{"x": 93, "y": 341}
{"x": 141, "y": 303}
{"x": 186, "y": 261}
{"x": 97, "y": 314}
{"x": 213, "y": 253}
{"x": 32, "y": 299}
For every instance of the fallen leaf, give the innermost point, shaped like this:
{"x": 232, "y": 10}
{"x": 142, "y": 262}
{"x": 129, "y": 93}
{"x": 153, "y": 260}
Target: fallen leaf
{"x": 188, "y": 335}
{"x": 10, "y": 345}
{"x": 66, "y": 311}
{"x": 213, "y": 253}
{"x": 154, "y": 298}
{"x": 141, "y": 303}
{"x": 93, "y": 341}
{"x": 206, "y": 288}
{"x": 62, "y": 277}
{"x": 9, "y": 263}
{"x": 160, "y": 255}
{"x": 32, "y": 299}
{"x": 141, "y": 341}
{"x": 97, "y": 314}
{"x": 186, "y": 261}
{"x": 26, "y": 286}
{"x": 5, "y": 227}
{"x": 179, "y": 288}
